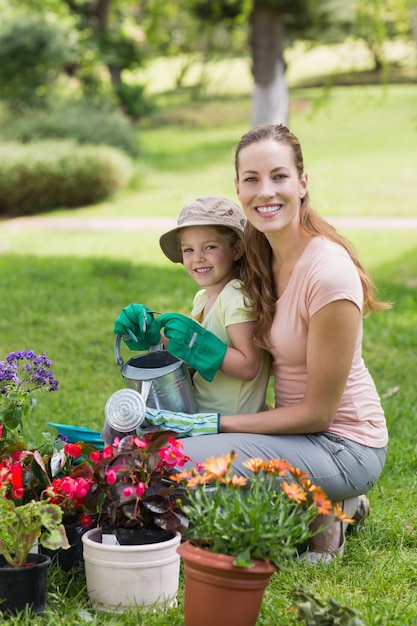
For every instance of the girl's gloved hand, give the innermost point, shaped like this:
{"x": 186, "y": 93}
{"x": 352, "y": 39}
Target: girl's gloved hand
{"x": 189, "y": 341}
{"x": 135, "y": 320}
{"x": 187, "y": 425}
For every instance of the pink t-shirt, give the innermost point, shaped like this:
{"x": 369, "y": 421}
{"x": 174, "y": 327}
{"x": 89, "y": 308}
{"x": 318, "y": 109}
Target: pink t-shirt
{"x": 324, "y": 273}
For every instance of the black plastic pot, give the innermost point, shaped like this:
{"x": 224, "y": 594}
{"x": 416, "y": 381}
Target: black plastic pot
{"x": 72, "y": 558}
{"x": 24, "y": 586}
{"x": 133, "y": 537}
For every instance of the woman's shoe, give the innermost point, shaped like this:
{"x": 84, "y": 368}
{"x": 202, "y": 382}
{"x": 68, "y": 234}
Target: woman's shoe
{"x": 363, "y": 510}
{"x": 358, "y": 509}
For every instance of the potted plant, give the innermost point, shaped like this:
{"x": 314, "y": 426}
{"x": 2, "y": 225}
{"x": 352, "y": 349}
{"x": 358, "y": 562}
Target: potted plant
{"x": 240, "y": 532}
{"x": 22, "y": 374}
{"x": 139, "y": 524}
{"x": 52, "y": 471}
{"x": 25, "y": 518}
{"x": 23, "y": 575}
{"x": 67, "y": 474}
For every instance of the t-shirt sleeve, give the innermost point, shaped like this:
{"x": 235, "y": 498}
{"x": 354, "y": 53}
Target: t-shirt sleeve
{"x": 334, "y": 277}
{"x": 235, "y": 305}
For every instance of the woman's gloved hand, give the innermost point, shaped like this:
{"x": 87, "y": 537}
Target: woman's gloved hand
{"x": 189, "y": 341}
{"x": 135, "y": 320}
{"x": 187, "y": 425}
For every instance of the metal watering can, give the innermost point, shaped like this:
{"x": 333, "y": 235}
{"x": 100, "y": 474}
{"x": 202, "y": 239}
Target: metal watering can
{"x": 163, "y": 381}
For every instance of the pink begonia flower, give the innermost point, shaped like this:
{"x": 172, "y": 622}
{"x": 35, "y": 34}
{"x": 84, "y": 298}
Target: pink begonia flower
{"x": 68, "y": 485}
{"x": 82, "y": 487}
{"x": 140, "y": 443}
{"x": 128, "y": 491}
{"x": 107, "y": 453}
{"x": 111, "y": 476}
{"x": 173, "y": 454}
{"x": 140, "y": 489}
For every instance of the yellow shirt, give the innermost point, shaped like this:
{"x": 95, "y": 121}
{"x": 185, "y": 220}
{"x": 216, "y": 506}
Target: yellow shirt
{"x": 227, "y": 395}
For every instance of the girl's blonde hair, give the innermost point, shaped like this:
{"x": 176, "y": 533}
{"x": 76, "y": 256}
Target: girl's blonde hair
{"x": 257, "y": 272}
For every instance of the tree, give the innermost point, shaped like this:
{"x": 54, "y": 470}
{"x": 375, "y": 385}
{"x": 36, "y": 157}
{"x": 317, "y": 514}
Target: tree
{"x": 33, "y": 51}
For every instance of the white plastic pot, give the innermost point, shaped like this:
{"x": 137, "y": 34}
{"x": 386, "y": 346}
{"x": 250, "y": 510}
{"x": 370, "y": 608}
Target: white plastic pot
{"x": 121, "y": 576}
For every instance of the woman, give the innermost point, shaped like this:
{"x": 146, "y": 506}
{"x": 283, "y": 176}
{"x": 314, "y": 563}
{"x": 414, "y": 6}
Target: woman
{"x": 310, "y": 292}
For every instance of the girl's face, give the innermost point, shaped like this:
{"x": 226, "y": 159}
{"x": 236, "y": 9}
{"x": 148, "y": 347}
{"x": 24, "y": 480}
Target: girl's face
{"x": 208, "y": 256}
{"x": 269, "y": 188}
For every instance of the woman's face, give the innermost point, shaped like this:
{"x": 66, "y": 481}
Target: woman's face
{"x": 268, "y": 185}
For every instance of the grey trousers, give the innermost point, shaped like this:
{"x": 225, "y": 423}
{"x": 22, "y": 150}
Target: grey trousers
{"x": 342, "y": 467}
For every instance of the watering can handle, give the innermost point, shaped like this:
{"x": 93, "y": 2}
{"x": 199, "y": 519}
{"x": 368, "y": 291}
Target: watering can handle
{"x": 117, "y": 354}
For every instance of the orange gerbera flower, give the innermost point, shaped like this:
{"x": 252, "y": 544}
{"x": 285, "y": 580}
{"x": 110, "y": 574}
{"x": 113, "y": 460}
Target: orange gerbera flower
{"x": 322, "y": 503}
{"x": 279, "y": 466}
{"x": 256, "y": 465}
{"x": 340, "y": 514}
{"x": 181, "y": 476}
{"x": 297, "y": 473}
{"x": 237, "y": 481}
{"x": 294, "y": 492}
{"x": 308, "y": 485}
{"x": 219, "y": 466}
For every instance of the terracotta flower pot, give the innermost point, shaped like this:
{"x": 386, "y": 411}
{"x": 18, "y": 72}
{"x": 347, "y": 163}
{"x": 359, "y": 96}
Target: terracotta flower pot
{"x": 218, "y": 593}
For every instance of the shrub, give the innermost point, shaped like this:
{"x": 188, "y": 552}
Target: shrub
{"x": 45, "y": 175}
{"x": 135, "y": 101}
{"x": 82, "y": 122}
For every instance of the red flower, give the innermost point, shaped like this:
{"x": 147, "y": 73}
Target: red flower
{"x": 86, "y": 521}
{"x": 16, "y": 476}
{"x": 73, "y": 449}
{"x": 95, "y": 456}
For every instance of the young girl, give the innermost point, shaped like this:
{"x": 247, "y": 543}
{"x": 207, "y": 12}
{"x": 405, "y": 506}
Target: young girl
{"x": 208, "y": 241}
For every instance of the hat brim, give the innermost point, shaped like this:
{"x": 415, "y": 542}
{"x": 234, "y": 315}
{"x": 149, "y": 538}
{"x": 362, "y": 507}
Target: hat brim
{"x": 169, "y": 242}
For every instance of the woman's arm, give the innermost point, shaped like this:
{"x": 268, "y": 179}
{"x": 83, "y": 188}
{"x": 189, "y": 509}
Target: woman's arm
{"x": 331, "y": 344}
{"x": 243, "y": 359}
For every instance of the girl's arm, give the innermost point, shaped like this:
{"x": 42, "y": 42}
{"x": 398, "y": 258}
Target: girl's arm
{"x": 243, "y": 359}
{"x": 330, "y": 348}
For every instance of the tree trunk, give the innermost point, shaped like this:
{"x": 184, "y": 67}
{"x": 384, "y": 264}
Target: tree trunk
{"x": 270, "y": 103}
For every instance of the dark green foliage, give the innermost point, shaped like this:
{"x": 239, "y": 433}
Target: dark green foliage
{"x": 82, "y": 122}
{"x": 217, "y": 9}
{"x": 33, "y": 50}
{"x": 46, "y": 175}
{"x": 135, "y": 101}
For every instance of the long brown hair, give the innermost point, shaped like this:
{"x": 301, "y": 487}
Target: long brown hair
{"x": 258, "y": 279}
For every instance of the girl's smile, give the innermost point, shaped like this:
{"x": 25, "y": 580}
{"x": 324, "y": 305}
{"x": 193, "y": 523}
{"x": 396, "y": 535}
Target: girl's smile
{"x": 208, "y": 257}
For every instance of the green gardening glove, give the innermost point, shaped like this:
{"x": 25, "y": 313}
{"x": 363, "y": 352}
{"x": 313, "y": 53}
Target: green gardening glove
{"x": 185, "y": 424}
{"x": 135, "y": 320}
{"x": 192, "y": 343}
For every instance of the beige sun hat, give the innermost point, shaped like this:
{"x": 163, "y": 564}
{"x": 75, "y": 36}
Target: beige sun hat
{"x": 204, "y": 211}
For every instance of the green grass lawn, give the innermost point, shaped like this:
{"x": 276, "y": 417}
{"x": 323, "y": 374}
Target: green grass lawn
{"x": 61, "y": 291}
